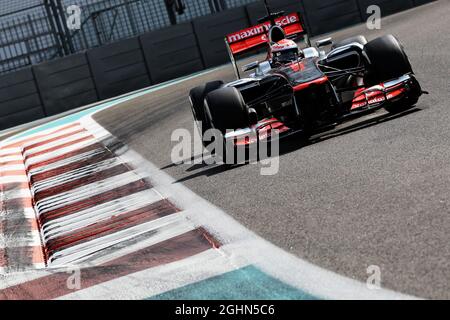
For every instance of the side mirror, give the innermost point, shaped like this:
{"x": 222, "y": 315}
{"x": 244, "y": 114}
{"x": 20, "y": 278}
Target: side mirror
{"x": 250, "y": 66}
{"x": 324, "y": 42}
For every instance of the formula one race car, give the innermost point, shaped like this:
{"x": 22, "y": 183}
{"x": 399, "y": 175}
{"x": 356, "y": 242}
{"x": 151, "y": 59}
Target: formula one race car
{"x": 303, "y": 90}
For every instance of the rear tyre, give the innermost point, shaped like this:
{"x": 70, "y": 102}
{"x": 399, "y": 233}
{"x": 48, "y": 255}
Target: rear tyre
{"x": 197, "y": 97}
{"x": 358, "y": 39}
{"x": 388, "y": 60}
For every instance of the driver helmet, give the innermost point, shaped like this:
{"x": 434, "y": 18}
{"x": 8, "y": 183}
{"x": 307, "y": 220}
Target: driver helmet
{"x": 284, "y": 51}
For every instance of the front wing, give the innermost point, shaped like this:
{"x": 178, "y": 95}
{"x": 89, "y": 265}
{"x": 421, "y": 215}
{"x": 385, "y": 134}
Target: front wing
{"x": 365, "y": 99}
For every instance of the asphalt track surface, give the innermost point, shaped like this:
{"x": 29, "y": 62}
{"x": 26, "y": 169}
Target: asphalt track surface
{"x": 372, "y": 192}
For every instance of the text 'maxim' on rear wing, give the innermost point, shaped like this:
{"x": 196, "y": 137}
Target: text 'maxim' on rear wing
{"x": 255, "y": 37}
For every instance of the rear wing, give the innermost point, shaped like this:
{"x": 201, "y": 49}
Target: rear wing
{"x": 255, "y": 37}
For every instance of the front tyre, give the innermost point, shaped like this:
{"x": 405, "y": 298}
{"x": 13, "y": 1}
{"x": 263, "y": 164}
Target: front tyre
{"x": 197, "y": 98}
{"x": 387, "y": 60}
{"x": 226, "y": 110}
{"x": 408, "y": 101}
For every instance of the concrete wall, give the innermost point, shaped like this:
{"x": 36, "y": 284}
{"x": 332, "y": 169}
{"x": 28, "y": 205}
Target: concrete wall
{"x": 65, "y": 84}
{"x": 20, "y": 101}
{"x": 172, "y": 52}
{"x": 119, "y": 68}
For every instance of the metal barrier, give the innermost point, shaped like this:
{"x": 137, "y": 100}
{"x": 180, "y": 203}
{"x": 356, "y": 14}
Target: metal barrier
{"x": 36, "y": 30}
{"x": 27, "y": 36}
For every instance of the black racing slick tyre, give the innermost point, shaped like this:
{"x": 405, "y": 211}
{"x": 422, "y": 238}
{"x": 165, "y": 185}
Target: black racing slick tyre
{"x": 358, "y": 39}
{"x": 226, "y": 109}
{"x": 197, "y": 97}
{"x": 407, "y": 102}
{"x": 387, "y": 60}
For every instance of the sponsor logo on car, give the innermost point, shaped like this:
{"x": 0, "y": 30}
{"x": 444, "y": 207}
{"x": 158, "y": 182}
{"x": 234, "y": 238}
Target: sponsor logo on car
{"x": 261, "y": 28}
